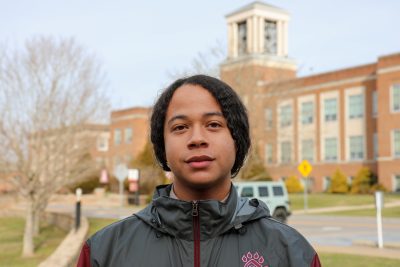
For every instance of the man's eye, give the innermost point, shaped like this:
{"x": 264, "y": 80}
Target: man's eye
{"x": 178, "y": 128}
{"x": 214, "y": 125}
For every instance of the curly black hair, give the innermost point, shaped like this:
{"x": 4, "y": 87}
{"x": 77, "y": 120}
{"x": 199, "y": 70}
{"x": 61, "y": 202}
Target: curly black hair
{"x": 232, "y": 108}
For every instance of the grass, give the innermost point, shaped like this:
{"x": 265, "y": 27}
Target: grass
{"x": 321, "y": 200}
{"x": 386, "y": 212}
{"x": 95, "y": 224}
{"x": 331, "y": 259}
{"x": 12, "y": 228}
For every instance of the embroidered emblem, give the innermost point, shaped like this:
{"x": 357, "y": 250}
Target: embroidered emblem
{"x": 253, "y": 260}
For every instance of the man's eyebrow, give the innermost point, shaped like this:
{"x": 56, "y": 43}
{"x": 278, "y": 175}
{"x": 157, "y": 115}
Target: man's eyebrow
{"x": 177, "y": 117}
{"x": 216, "y": 113}
{"x": 183, "y": 117}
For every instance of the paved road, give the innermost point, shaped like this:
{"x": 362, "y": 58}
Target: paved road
{"x": 323, "y": 230}
{"x": 320, "y": 230}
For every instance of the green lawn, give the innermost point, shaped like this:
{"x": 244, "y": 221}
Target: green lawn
{"x": 95, "y": 224}
{"x": 11, "y": 234}
{"x": 386, "y": 212}
{"x": 333, "y": 260}
{"x": 321, "y": 200}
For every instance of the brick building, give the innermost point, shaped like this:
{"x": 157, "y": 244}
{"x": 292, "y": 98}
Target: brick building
{"x": 128, "y": 134}
{"x": 342, "y": 119}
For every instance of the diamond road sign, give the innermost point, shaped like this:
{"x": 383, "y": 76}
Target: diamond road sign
{"x": 304, "y": 168}
{"x": 121, "y": 172}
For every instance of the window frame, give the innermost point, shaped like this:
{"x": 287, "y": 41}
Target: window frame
{"x": 330, "y": 159}
{"x": 328, "y": 117}
{"x": 307, "y": 117}
{"x": 354, "y": 113}
{"x": 395, "y": 86}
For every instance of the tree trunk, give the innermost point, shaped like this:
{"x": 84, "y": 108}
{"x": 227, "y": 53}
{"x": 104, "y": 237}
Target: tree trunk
{"x": 29, "y": 246}
{"x": 36, "y": 223}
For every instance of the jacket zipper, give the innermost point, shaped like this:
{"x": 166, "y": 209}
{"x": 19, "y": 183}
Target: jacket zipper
{"x": 196, "y": 233}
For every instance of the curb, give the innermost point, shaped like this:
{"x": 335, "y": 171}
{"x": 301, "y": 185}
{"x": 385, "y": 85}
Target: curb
{"x": 369, "y": 243}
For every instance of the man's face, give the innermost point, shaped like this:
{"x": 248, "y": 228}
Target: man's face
{"x": 199, "y": 147}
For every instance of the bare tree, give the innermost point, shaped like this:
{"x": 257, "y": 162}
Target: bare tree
{"x": 50, "y": 90}
{"x": 203, "y": 63}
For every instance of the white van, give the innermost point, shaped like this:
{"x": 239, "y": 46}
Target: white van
{"x": 272, "y": 193}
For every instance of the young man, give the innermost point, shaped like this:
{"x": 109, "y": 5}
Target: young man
{"x": 200, "y": 132}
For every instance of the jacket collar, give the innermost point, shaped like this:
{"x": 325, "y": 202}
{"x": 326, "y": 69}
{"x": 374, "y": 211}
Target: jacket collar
{"x": 174, "y": 216}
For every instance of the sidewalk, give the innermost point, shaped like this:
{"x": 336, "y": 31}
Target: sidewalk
{"x": 345, "y": 208}
{"x": 110, "y": 207}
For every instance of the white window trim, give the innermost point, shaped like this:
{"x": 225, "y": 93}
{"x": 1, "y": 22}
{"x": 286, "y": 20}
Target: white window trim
{"x": 392, "y": 145}
{"x": 394, "y": 182}
{"x": 391, "y": 99}
{"x": 363, "y": 149}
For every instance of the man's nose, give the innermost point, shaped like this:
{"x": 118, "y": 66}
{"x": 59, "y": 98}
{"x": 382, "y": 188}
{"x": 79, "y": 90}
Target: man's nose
{"x": 197, "y": 139}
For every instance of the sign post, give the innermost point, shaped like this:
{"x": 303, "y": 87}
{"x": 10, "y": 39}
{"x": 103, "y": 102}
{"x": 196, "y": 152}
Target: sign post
{"x": 121, "y": 172}
{"x": 133, "y": 177}
{"x": 305, "y": 169}
{"x": 78, "y": 193}
{"x": 379, "y": 206}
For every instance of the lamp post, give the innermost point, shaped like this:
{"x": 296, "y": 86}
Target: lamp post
{"x": 78, "y": 193}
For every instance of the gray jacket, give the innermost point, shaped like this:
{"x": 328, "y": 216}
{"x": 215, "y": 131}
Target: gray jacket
{"x": 171, "y": 232}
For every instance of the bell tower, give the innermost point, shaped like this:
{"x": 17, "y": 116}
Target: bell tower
{"x": 257, "y": 47}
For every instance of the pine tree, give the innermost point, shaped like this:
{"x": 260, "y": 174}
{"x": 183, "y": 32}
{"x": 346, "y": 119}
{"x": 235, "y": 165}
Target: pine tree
{"x": 338, "y": 183}
{"x": 254, "y": 168}
{"x": 293, "y": 185}
{"x": 362, "y": 182}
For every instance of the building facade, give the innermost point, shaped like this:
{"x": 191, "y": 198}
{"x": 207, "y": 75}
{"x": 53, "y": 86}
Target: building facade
{"x": 344, "y": 119}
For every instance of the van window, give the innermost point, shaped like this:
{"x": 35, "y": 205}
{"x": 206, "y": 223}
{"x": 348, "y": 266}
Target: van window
{"x": 247, "y": 192}
{"x": 263, "y": 191}
{"x": 278, "y": 190}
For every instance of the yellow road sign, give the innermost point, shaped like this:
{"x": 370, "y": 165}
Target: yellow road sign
{"x": 304, "y": 168}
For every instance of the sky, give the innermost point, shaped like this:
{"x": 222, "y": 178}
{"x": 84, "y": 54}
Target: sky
{"x": 139, "y": 43}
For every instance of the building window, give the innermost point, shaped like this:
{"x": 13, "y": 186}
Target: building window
{"x": 356, "y": 106}
{"x": 102, "y": 143}
{"x": 268, "y": 153}
{"x": 286, "y": 152}
{"x": 350, "y": 180}
{"x": 375, "y": 145}
{"x": 268, "y": 118}
{"x": 128, "y": 135}
{"x": 396, "y": 184}
{"x": 396, "y": 143}
{"x": 356, "y": 147}
{"x": 286, "y": 115}
{"x": 242, "y": 35}
{"x": 326, "y": 184}
{"x": 330, "y": 109}
{"x": 307, "y": 113}
{"x": 375, "y": 103}
{"x": 331, "y": 149}
{"x": 396, "y": 97}
{"x": 117, "y": 136}
{"x": 307, "y": 150}
{"x": 270, "y": 42}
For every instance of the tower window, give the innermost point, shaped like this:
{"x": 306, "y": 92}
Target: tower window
{"x": 242, "y": 36}
{"x": 270, "y": 33}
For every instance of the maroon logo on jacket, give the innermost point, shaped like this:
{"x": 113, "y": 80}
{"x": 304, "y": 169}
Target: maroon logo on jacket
{"x": 253, "y": 260}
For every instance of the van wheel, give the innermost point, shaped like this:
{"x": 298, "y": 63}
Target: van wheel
{"x": 280, "y": 214}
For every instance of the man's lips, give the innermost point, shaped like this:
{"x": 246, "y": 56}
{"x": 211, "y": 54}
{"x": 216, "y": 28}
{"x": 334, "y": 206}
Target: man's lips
{"x": 199, "y": 162}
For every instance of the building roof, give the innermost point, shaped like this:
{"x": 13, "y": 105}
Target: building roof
{"x": 257, "y": 5}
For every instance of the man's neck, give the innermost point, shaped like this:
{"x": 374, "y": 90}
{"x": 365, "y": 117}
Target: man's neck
{"x": 191, "y": 195}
